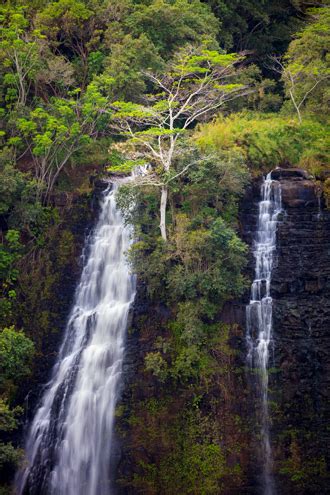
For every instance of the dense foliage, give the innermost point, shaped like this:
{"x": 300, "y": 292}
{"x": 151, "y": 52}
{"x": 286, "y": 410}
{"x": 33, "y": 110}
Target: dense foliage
{"x": 89, "y": 87}
{"x": 265, "y": 141}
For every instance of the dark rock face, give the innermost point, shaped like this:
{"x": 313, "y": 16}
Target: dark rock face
{"x": 301, "y": 293}
{"x": 299, "y": 375}
{"x": 299, "y": 194}
{"x": 290, "y": 173}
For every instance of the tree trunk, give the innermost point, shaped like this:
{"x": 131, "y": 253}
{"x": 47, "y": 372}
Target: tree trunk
{"x": 163, "y": 203}
{"x": 296, "y": 106}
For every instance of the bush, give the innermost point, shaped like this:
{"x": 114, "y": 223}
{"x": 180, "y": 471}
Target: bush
{"x": 16, "y": 352}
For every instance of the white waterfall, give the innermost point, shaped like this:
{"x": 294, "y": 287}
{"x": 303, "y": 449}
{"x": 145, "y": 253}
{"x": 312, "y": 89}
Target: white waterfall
{"x": 69, "y": 444}
{"x": 259, "y": 322}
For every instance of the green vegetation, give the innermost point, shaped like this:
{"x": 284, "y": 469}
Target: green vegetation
{"x": 302, "y": 471}
{"x": 206, "y": 95}
{"x": 195, "y": 85}
{"x": 265, "y": 141}
{"x": 305, "y": 71}
{"x": 16, "y": 353}
{"x": 265, "y": 27}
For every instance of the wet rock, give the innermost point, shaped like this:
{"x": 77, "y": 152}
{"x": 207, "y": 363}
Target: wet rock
{"x": 292, "y": 174}
{"x": 297, "y": 194}
{"x": 299, "y": 384}
{"x": 100, "y": 184}
{"x": 301, "y": 326}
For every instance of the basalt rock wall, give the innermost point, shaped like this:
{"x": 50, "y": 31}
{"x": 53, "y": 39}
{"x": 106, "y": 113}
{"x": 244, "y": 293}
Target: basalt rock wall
{"x": 301, "y": 319}
{"x": 300, "y": 357}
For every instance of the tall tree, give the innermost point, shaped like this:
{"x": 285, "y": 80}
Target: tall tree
{"x": 19, "y": 53}
{"x": 53, "y": 133}
{"x": 195, "y": 85}
{"x": 305, "y": 68}
{"x": 263, "y": 26}
{"x": 69, "y": 26}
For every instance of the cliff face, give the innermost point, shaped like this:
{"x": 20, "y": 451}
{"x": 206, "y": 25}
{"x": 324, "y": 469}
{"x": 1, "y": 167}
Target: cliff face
{"x": 299, "y": 378}
{"x": 298, "y": 375}
{"x": 148, "y": 414}
{"x": 47, "y": 285}
{"x": 300, "y": 383}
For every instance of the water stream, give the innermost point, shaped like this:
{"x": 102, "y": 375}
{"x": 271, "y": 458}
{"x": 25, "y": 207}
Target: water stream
{"x": 69, "y": 444}
{"x": 259, "y": 316}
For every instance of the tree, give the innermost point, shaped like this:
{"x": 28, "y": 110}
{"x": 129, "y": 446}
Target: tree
{"x": 69, "y": 24}
{"x": 127, "y": 61}
{"x": 263, "y": 26}
{"x": 10, "y": 252}
{"x": 11, "y": 185}
{"x": 54, "y": 132}
{"x": 19, "y": 52}
{"x": 195, "y": 85}
{"x": 143, "y": 35}
{"x": 172, "y": 24}
{"x": 9, "y": 456}
{"x": 16, "y": 352}
{"x": 305, "y": 68}
{"x": 55, "y": 77}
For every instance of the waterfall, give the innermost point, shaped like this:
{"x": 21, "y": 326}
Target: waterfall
{"x": 259, "y": 315}
{"x": 69, "y": 444}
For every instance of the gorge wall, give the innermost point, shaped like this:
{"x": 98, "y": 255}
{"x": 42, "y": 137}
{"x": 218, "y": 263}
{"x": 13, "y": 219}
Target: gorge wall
{"x": 147, "y": 415}
{"x": 300, "y": 383}
{"x": 298, "y": 367}
{"x": 299, "y": 364}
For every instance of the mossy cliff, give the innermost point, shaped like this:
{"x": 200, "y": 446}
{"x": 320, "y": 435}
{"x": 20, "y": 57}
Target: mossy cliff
{"x": 48, "y": 277}
{"x": 199, "y": 434}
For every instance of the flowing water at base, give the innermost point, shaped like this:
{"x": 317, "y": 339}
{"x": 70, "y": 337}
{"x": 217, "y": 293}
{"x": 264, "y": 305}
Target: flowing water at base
{"x": 68, "y": 449}
{"x": 259, "y": 324}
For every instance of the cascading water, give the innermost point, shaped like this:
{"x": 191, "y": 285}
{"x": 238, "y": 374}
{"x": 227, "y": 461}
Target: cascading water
{"x": 69, "y": 445}
{"x": 259, "y": 315}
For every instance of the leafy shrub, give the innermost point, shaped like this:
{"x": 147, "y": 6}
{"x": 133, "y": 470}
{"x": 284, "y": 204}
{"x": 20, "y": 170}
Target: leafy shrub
{"x": 16, "y": 351}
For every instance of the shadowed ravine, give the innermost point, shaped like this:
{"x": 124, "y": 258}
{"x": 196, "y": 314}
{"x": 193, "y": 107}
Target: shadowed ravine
{"x": 68, "y": 449}
{"x": 259, "y": 324}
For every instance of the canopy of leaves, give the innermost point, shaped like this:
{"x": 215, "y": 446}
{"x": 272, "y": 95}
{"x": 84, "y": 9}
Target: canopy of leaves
{"x": 307, "y": 63}
{"x": 194, "y": 86}
{"x": 19, "y": 54}
{"x": 68, "y": 68}
{"x": 171, "y": 24}
{"x": 265, "y": 27}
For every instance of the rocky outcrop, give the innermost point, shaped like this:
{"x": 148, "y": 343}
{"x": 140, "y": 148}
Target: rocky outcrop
{"x": 292, "y": 174}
